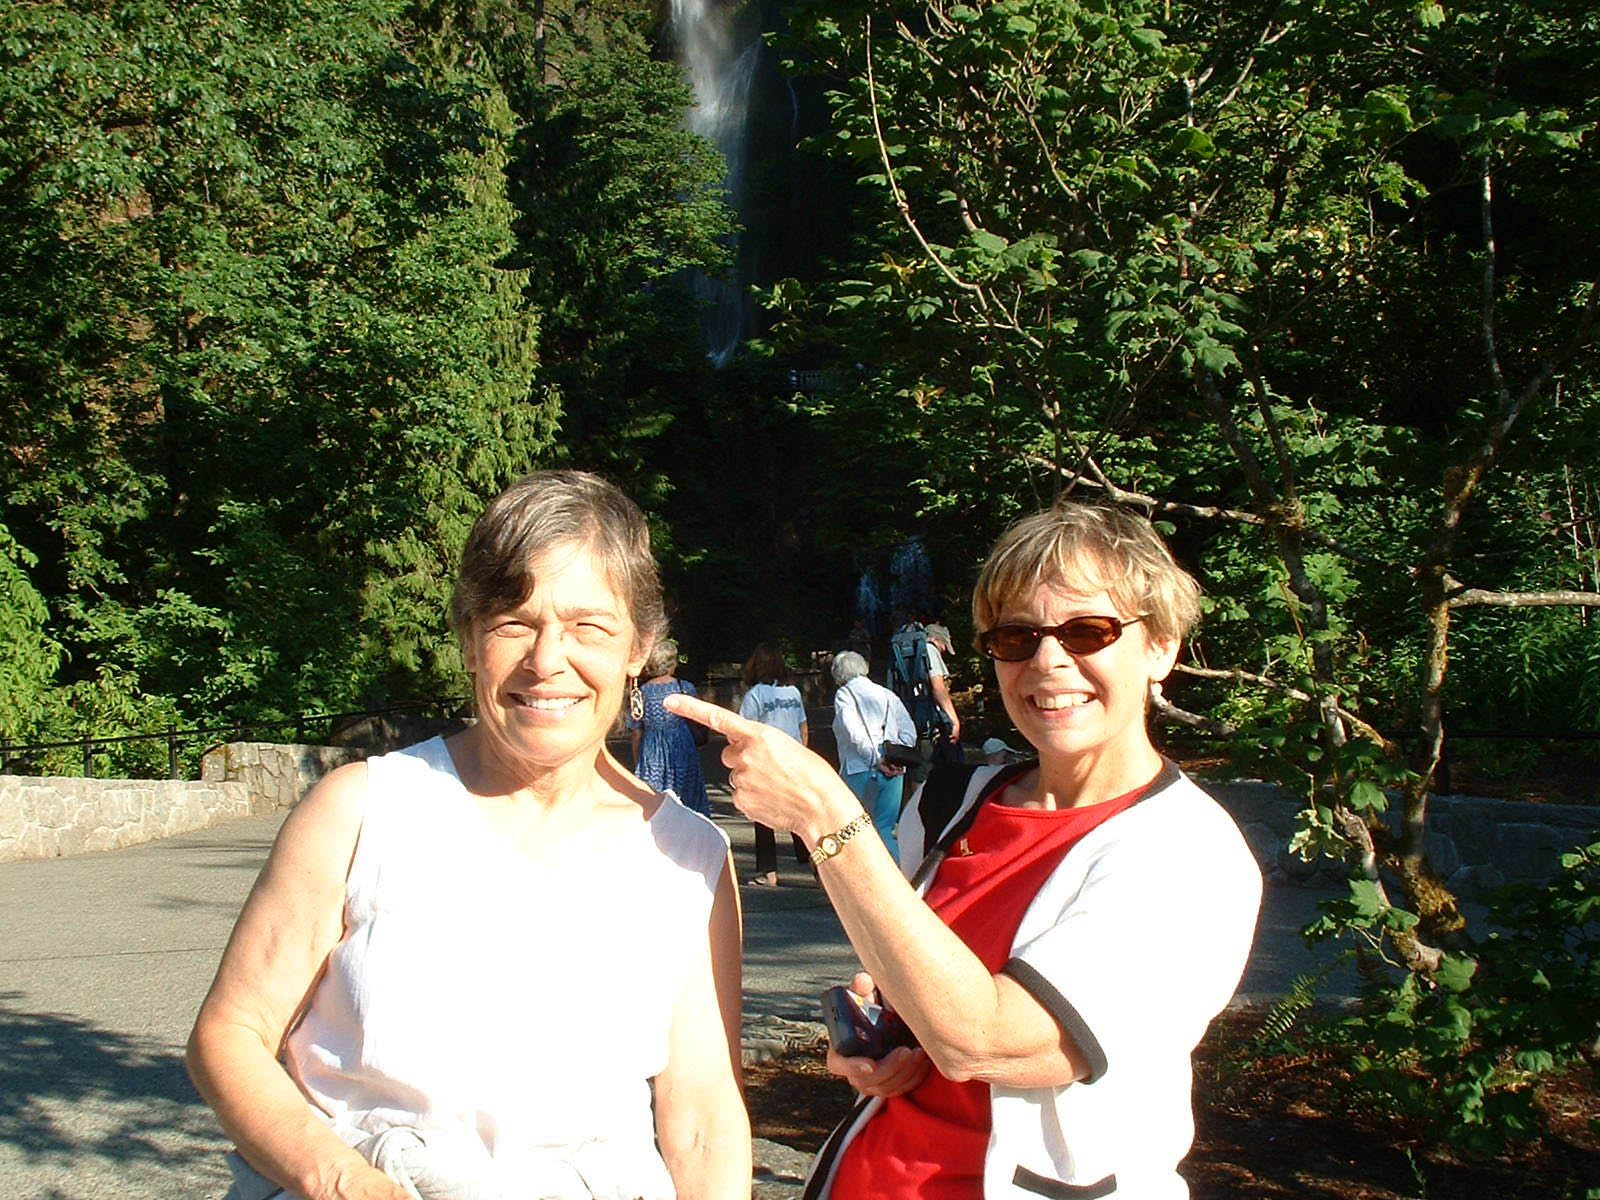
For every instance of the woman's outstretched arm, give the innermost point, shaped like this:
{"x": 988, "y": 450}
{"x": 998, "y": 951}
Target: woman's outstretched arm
{"x": 973, "y": 1023}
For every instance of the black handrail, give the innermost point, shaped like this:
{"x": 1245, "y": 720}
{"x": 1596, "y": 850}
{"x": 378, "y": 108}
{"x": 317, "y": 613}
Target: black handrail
{"x": 174, "y": 737}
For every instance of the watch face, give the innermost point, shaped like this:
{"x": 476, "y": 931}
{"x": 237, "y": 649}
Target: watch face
{"x": 829, "y": 845}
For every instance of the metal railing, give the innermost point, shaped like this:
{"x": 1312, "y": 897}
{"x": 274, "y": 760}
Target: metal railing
{"x": 175, "y": 738}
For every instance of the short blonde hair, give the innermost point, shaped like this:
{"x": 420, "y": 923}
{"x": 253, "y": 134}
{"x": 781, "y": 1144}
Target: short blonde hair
{"x": 1089, "y": 547}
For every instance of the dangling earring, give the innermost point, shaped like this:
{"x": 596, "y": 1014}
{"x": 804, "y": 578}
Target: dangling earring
{"x": 635, "y": 699}
{"x": 1155, "y": 691}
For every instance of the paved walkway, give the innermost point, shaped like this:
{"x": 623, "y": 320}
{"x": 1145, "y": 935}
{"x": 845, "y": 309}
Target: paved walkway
{"x": 105, "y": 957}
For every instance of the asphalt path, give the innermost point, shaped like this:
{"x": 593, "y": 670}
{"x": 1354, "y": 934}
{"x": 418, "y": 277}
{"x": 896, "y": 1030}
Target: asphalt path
{"x": 104, "y": 959}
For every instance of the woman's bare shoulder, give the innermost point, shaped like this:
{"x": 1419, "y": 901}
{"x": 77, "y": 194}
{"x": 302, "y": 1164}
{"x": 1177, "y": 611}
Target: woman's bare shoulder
{"x": 325, "y": 824}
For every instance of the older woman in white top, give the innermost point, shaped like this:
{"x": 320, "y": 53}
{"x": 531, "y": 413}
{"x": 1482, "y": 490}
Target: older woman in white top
{"x": 866, "y": 717}
{"x": 495, "y": 965}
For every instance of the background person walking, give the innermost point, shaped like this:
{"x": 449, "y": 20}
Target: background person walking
{"x": 771, "y": 699}
{"x": 666, "y": 748}
{"x": 867, "y": 717}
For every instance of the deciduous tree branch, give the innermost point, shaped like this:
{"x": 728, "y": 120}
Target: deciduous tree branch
{"x": 902, "y": 205}
{"x": 1239, "y": 675}
{"x": 1210, "y": 512}
{"x": 1182, "y": 716}
{"x": 1478, "y": 597}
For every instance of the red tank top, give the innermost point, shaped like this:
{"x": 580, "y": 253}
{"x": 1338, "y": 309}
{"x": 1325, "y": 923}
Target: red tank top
{"x": 929, "y": 1143}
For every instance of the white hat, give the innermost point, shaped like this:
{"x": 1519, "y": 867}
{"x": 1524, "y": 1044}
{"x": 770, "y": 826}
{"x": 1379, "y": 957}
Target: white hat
{"x": 995, "y": 746}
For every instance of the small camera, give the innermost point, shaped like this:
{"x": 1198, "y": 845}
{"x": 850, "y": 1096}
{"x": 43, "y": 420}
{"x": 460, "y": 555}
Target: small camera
{"x": 863, "y": 1028}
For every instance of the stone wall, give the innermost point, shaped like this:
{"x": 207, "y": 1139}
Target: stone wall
{"x": 56, "y": 815}
{"x": 276, "y": 776}
{"x": 1475, "y": 844}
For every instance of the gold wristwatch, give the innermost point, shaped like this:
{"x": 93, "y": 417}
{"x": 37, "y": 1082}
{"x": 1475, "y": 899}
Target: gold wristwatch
{"x": 830, "y": 844}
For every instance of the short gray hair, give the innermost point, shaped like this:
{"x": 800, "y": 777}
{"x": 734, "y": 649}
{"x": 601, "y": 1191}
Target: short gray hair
{"x": 848, "y": 665}
{"x": 544, "y": 510}
{"x": 663, "y": 659}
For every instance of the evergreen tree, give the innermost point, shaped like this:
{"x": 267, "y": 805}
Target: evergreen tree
{"x": 261, "y": 358}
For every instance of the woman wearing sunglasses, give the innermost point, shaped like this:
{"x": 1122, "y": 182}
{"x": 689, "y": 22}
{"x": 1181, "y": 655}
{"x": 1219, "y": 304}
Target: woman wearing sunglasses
{"x": 1070, "y": 924}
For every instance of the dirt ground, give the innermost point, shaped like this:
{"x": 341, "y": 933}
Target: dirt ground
{"x": 1278, "y": 1126}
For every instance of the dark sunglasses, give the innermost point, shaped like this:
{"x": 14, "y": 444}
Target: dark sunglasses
{"x": 1080, "y": 636}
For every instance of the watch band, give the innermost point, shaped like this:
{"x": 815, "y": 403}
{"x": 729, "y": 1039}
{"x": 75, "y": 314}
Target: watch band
{"x": 830, "y": 844}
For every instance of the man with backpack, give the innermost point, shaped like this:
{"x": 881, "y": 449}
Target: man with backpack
{"x": 919, "y": 676}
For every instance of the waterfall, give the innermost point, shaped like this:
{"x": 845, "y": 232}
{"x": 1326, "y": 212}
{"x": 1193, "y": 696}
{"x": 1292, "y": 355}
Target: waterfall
{"x": 911, "y": 572}
{"x": 721, "y": 47}
{"x": 868, "y": 603}
{"x": 911, "y": 594}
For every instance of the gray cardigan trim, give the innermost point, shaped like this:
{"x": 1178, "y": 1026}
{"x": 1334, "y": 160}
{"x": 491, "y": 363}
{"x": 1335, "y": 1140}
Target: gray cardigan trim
{"x": 1043, "y": 1185}
{"x": 1059, "y": 1007}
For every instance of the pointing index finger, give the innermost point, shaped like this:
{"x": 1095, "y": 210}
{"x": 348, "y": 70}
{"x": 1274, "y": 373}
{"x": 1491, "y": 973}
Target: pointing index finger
{"x": 713, "y": 716}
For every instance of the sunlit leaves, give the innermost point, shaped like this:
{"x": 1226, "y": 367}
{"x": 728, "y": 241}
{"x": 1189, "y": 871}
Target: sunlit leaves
{"x": 259, "y": 350}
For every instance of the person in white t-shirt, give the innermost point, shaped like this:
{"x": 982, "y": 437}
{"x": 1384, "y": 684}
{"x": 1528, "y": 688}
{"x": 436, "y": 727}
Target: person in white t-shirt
{"x": 771, "y": 699}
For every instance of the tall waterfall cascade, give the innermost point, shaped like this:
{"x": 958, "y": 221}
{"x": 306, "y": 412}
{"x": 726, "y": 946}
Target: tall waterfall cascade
{"x": 720, "y": 44}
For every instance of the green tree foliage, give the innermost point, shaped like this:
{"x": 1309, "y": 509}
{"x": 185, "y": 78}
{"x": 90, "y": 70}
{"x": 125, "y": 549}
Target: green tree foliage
{"x": 616, "y": 202}
{"x": 288, "y": 292}
{"x": 1312, "y": 284}
{"x": 261, "y": 361}
{"x": 1466, "y": 1048}
{"x": 28, "y": 655}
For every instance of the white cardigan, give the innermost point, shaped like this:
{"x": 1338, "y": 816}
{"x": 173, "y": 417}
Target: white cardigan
{"x": 1134, "y": 943}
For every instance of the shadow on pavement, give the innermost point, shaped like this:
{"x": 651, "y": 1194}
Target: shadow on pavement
{"x": 69, "y": 1090}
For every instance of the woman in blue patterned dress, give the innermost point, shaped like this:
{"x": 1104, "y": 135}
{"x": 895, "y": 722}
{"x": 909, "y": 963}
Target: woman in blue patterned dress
{"x": 664, "y": 752}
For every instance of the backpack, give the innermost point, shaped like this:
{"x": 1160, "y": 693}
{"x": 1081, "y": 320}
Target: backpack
{"x": 908, "y": 676}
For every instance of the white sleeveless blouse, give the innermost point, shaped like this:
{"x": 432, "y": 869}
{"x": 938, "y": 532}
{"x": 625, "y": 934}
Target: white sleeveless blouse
{"x": 523, "y": 1005}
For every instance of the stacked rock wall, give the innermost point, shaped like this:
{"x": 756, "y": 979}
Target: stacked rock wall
{"x": 1474, "y": 844}
{"x": 276, "y": 776}
{"x": 52, "y": 817}
{"x": 58, "y": 815}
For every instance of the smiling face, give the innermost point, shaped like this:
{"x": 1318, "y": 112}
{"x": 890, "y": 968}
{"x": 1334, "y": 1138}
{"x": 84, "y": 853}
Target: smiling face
{"x": 1082, "y": 709}
{"x": 549, "y": 674}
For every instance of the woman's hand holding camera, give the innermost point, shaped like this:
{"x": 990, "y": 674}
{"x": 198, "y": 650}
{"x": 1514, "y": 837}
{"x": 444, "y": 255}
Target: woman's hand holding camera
{"x": 902, "y": 1069}
{"x": 896, "y": 1073}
